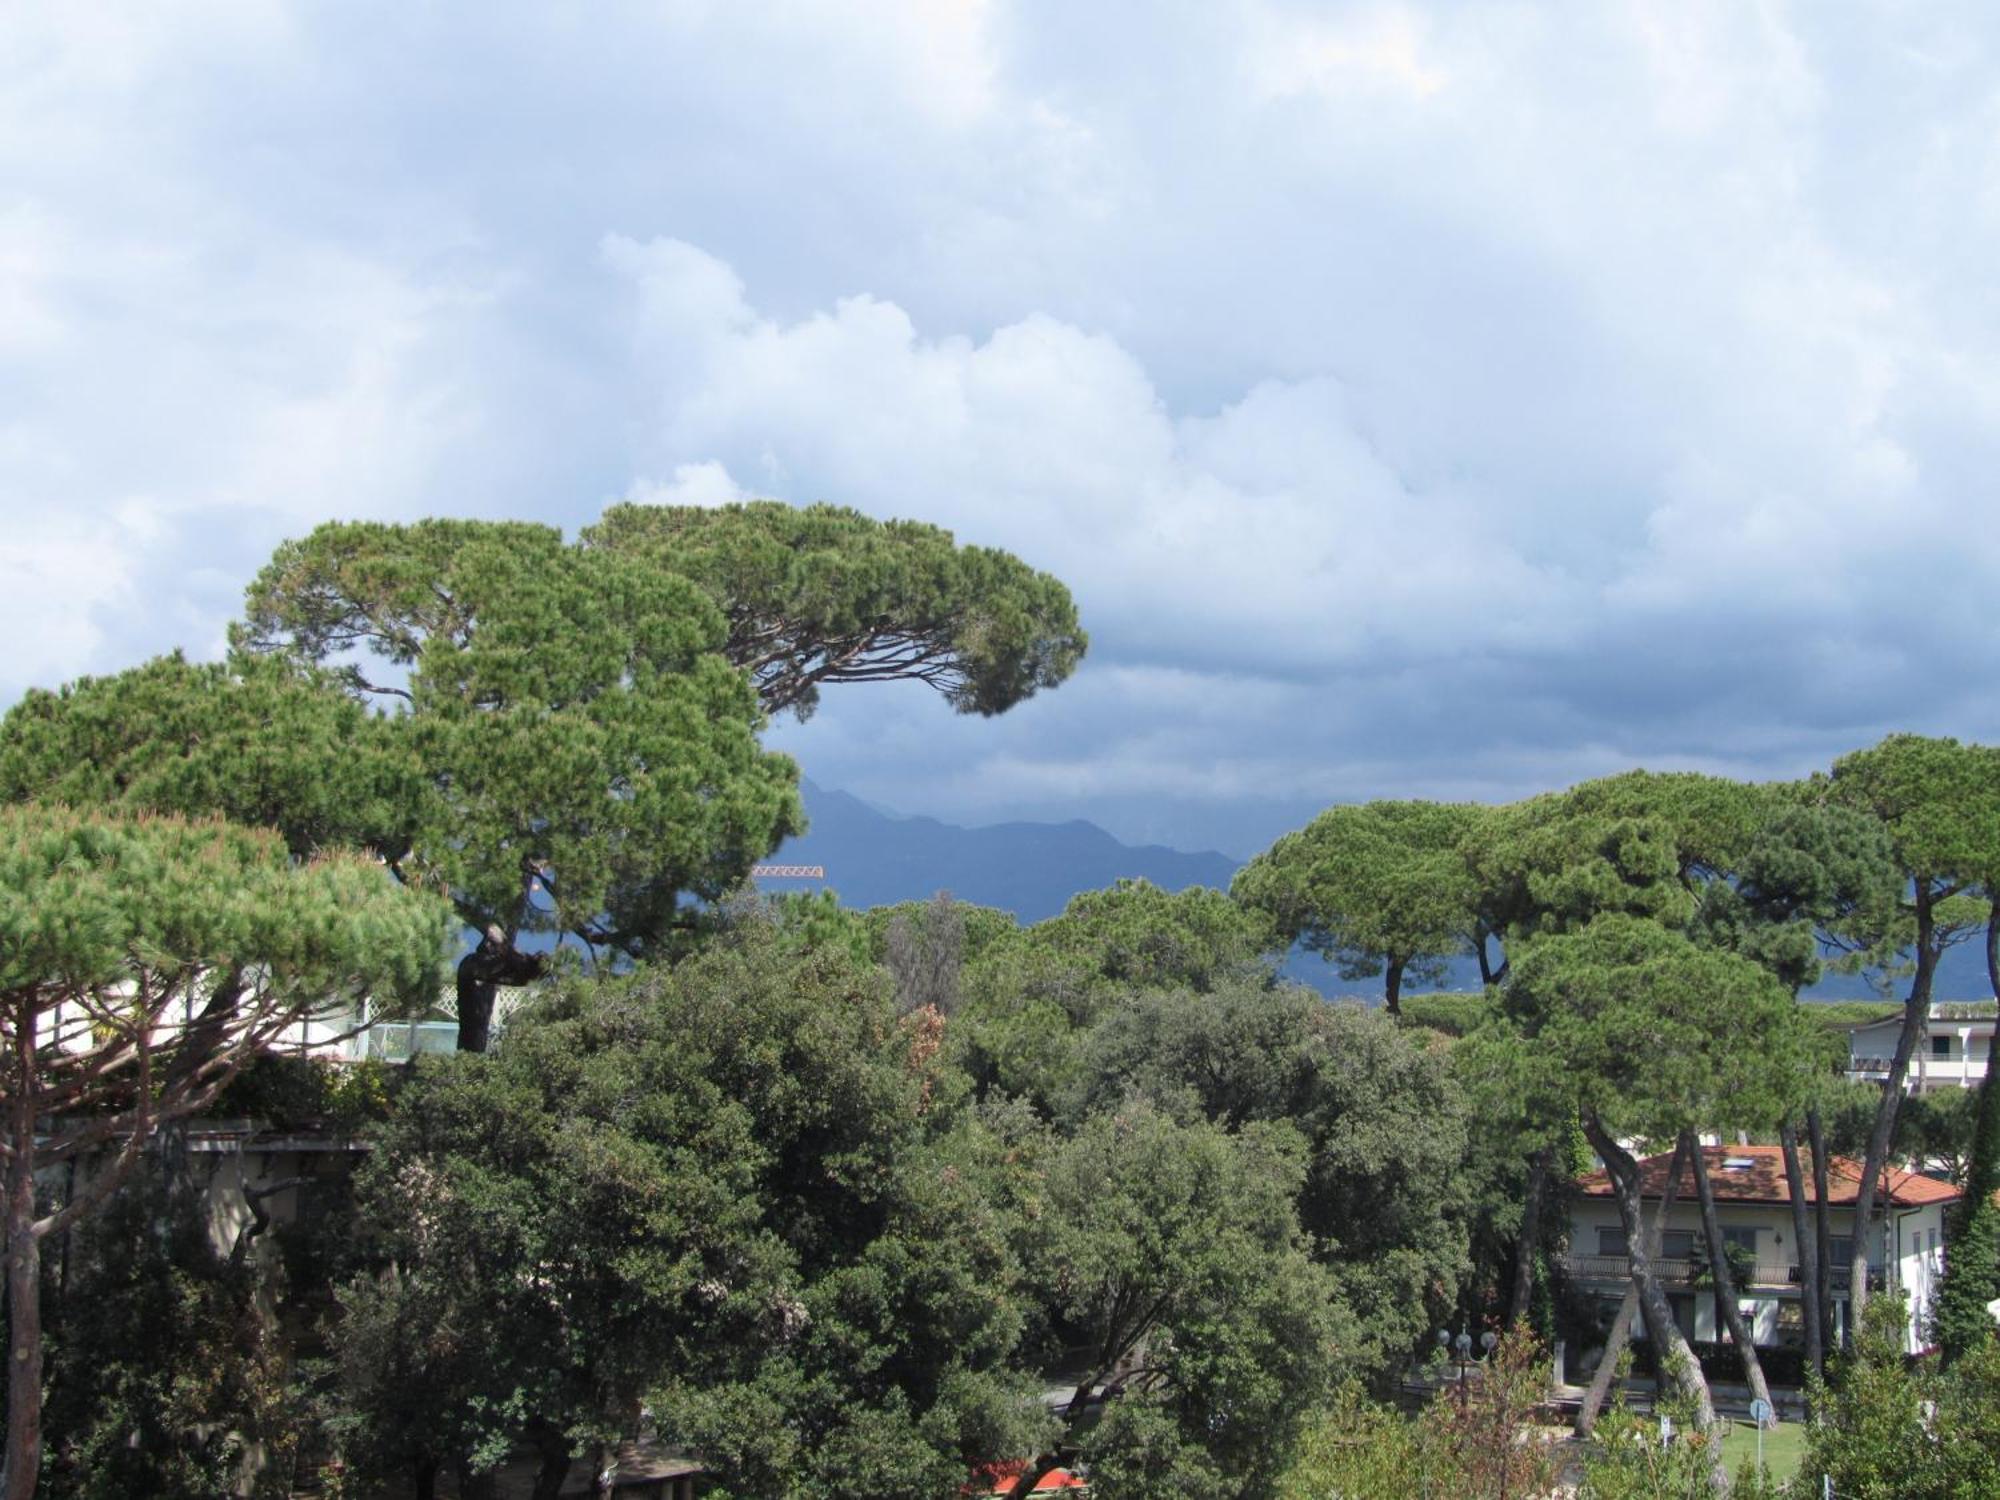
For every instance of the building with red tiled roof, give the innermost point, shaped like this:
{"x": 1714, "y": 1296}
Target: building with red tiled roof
{"x": 1905, "y": 1239}
{"x": 1000, "y": 1479}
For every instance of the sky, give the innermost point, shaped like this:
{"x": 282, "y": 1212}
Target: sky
{"x": 1450, "y": 399}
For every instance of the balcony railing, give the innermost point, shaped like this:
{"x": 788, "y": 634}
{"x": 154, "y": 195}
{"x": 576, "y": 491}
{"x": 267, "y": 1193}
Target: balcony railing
{"x": 399, "y": 1041}
{"x": 1688, "y": 1272}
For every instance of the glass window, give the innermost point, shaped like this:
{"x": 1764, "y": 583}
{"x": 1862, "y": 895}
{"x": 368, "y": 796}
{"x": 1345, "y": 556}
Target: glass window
{"x": 1611, "y": 1242}
{"x": 1940, "y": 1046}
{"x": 1741, "y": 1239}
{"x": 1677, "y": 1244}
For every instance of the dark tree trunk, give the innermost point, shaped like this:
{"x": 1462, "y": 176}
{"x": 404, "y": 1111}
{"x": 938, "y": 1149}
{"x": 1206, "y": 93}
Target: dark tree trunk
{"x": 1628, "y": 1307}
{"x": 496, "y": 961}
{"x": 1822, "y": 1226}
{"x": 1392, "y": 986}
{"x": 23, "y": 1464}
{"x": 24, "y": 1328}
{"x": 476, "y": 1486}
{"x": 1807, "y": 1246}
{"x": 1479, "y": 938}
{"x": 554, "y": 1448}
{"x": 1677, "y": 1361}
{"x": 1529, "y": 1241}
{"x": 1916, "y": 1011}
{"x": 1725, "y": 1278}
{"x": 424, "y": 1478}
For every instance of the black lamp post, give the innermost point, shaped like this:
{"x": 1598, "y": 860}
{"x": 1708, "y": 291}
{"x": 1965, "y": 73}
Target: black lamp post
{"x": 1459, "y": 1352}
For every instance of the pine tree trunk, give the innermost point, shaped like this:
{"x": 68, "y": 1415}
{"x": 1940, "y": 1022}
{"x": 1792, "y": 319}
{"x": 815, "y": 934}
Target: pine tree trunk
{"x": 1628, "y": 1307}
{"x": 554, "y": 1450}
{"x": 1725, "y": 1279}
{"x": 1392, "y": 986}
{"x": 1822, "y": 1227}
{"x": 1916, "y": 1011}
{"x": 496, "y": 961}
{"x": 1615, "y": 1343}
{"x": 1528, "y": 1242}
{"x": 21, "y": 1469}
{"x": 1677, "y": 1359}
{"x": 1808, "y": 1250}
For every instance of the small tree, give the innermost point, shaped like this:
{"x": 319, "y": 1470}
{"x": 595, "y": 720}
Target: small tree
{"x": 924, "y": 951}
{"x": 143, "y": 961}
{"x": 1476, "y": 1439}
{"x": 1892, "y": 1430}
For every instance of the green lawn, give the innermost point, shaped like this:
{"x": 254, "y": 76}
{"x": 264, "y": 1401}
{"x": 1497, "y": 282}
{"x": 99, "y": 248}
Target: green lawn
{"x": 1784, "y": 1446}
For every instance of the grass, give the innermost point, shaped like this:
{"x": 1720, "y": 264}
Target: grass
{"x": 1784, "y": 1448}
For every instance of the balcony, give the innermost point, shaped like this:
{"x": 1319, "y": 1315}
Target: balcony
{"x": 1687, "y": 1273}
{"x": 399, "y": 1041}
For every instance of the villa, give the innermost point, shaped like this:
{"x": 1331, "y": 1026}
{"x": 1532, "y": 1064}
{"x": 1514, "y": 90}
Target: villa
{"x": 1753, "y": 1205}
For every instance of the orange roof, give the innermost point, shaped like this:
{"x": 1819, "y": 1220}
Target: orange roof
{"x": 1763, "y": 1181}
{"x": 1004, "y": 1476}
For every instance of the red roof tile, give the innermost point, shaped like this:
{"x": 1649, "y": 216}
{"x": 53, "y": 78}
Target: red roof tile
{"x": 1763, "y": 1181}
{"x": 1004, "y": 1476}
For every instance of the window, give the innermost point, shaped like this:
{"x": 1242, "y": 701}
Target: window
{"x": 1791, "y": 1323}
{"x": 1740, "y": 1239}
{"x": 1940, "y": 1046}
{"x": 1611, "y": 1242}
{"x": 1677, "y": 1244}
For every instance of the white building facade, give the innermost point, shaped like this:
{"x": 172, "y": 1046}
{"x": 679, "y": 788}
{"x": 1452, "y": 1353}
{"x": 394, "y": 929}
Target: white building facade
{"x": 1753, "y": 1210}
{"x": 1954, "y": 1051}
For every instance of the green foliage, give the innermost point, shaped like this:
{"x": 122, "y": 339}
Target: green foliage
{"x": 1643, "y": 844}
{"x": 1032, "y": 993}
{"x": 1175, "y": 1250}
{"x": 571, "y": 712}
{"x": 161, "y": 1374}
{"x": 1377, "y": 1108}
{"x": 1938, "y": 801}
{"x": 91, "y": 901}
{"x": 1452, "y": 1014}
{"x": 1382, "y": 886}
{"x": 1137, "y": 935}
{"x": 1357, "y": 1449}
{"x": 1628, "y": 1461}
{"x": 1637, "y": 1024}
{"x": 254, "y": 742}
{"x": 1972, "y": 1247}
{"x": 825, "y": 594}
{"x": 309, "y": 1093}
{"x": 806, "y": 921}
{"x": 1891, "y": 1430}
{"x": 986, "y": 927}
{"x": 1475, "y": 1441}
{"x": 1841, "y": 1014}
{"x": 1811, "y": 871}
{"x": 740, "y": 1190}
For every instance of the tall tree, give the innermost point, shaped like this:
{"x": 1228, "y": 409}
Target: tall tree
{"x": 1384, "y": 1122}
{"x": 1939, "y": 803}
{"x": 1174, "y": 1250}
{"x": 588, "y": 755}
{"x": 739, "y": 1189}
{"x": 143, "y": 960}
{"x": 1379, "y": 888}
{"x": 1649, "y": 1034}
{"x": 1972, "y": 1250}
{"x": 823, "y": 594}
